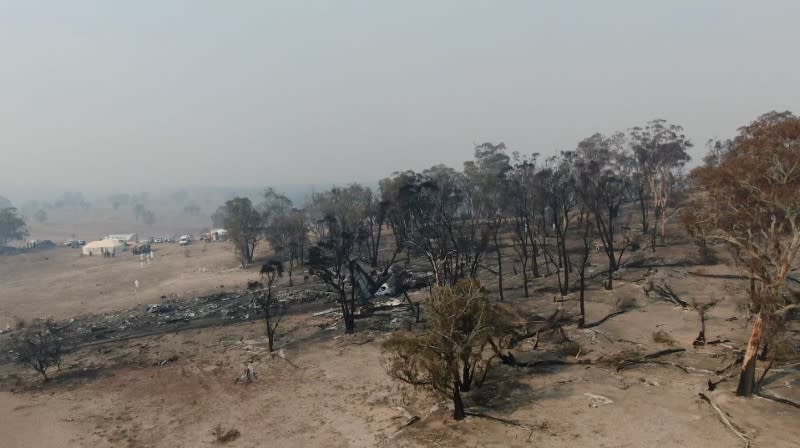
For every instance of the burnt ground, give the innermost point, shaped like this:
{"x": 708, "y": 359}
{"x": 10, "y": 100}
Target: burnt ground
{"x": 166, "y": 376}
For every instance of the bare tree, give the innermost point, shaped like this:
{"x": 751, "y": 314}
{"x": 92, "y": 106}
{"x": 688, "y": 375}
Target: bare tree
{"x": 340, "y": 214}
{"x": 587, "y": 233}
{"x": 38, "y": 346}
{"x": 331, "y": 261}
{"x": 272, "y": 309}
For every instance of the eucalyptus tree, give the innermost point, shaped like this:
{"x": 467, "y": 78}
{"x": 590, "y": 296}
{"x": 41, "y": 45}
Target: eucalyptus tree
{"x": 601, "y": 183}
{"x": 522, "y": 209}
{"x": 12, "y": 226}
{"x": 433, "y": 213}
{"x": 556, "y": 187}
{"x": 398, "y": 193}
{"x": 340, "y": 214}
{"x": 659, "y": 152}
{"x": 487, "y": 177}
{"x": 749, "y": 199}
{"x": 245, "y": 227}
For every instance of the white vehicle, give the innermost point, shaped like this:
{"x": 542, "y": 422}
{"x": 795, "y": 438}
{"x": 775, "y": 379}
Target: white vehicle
{"x": 184, "y": 241}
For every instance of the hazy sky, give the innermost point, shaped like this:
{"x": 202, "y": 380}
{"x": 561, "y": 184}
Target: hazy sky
{"x": 144, "y": 95}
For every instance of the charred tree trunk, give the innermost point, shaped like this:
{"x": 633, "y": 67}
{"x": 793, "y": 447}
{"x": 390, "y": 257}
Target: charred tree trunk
{"x": 268, "y": 321}
{"x": 270, "y": 332}
{"x": 291, "y": 267}
{"x": 562, "y": 268}
{"x": 499, "y": 255}
{"x": 458, "y": 404}
{"x": 582, "y": 274}
{"x": 747, "y": 377}
{"x": 644, "y": 212}
{"x": 525, "y": 278}
{"x": 466, "y": 375}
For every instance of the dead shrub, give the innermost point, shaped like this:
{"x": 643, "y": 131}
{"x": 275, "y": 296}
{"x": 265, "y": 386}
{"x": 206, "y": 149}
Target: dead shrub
{"x": 224, "y": 436}
{"x": 570, "y": 348}
{"x": 662, "y": 337}
{"x": 38, "y": 346}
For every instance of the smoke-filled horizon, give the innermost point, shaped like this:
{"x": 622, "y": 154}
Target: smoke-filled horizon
{"x": 157, "y": 96}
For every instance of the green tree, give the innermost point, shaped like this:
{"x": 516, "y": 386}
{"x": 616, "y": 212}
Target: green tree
{"x": 244, "y": 226}
{"x": 287, "y": 236}
{"x": 12, "y": 226}
{"x": 487, "y": 178}
{"x": 451, "y": 353}
{"x": 659, "y": 153}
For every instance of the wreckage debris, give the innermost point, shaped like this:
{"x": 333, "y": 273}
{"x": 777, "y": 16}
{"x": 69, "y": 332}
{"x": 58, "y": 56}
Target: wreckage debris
{"x": 144, "y": 319}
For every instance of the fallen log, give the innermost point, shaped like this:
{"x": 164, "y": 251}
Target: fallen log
{"x": 666, "y": 292}
{"x": 609, "y": 316}
{"x": 621, "y": 364}
{"x": 726, "y": 421}
{"x": 778, "y": 399}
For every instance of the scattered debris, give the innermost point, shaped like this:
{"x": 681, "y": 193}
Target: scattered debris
{"x": 595, "y": 401}
{"x": 247, "y": 377}
{"x": 225, "y": 436}
{"x": 172, "y": 312}
{"x": 169, "y": 360}
{"x": 664, "y": 290}
{"x": 325, "y": 312}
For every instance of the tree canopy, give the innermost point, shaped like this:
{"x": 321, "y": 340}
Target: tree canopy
{"x": 12, "y": 226}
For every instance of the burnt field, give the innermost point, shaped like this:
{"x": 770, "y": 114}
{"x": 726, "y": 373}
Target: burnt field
{"x": 163, "y": 373}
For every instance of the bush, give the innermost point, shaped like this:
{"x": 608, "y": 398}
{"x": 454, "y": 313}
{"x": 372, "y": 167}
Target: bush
{"x": 38, "y": 346}
{"x": 446, "y": 358}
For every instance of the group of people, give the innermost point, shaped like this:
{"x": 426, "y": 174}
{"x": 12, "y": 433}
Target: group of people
{"x": 106, "y": 253}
